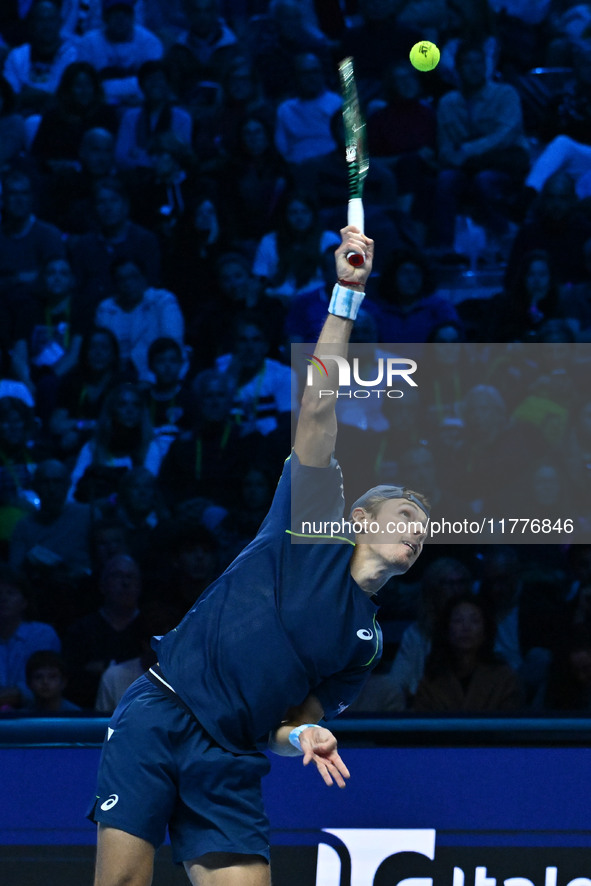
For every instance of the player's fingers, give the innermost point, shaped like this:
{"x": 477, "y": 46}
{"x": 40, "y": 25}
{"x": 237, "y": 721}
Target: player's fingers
{"x": 336, "y": 776}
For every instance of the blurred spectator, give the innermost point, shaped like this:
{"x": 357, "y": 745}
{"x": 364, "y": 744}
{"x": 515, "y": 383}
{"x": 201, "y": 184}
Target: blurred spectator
{"x": 302, "y": 126}
{"x": 410, "y": 307}
{"x": 47, "y": 679}
{"x": 210, "y": 40}
{"x": 123, "y": 439}
{"x": 138, "y": 314}
{"x": 20, "y": 637}
{"x": 243, "y": 97}
{"x": 77, "y": 107}
{"x": 82, "y": 391}
{"x": 209, "y": 461}
{"x": 92, "y": 254}
{"x": 156, "y": 115}
{"x": 474, "y": 22}
{"x": 26, "y": 243}
{"x": 290, "y": 259}
{"x": 443, "y": 579}
{"x": 111, "y": 633}
{"x": 247, "y": 510}
{"x": 118, "y": 49}
{"x": 557, "y": 223}
{"x": 13, "y": 141}
{"x": 155, "y": 618}
{"x": 47, "y": 340}
{"x": 19, "y": 455}
{"x": 276, "y": 37}
{"x": 170, "y": 399}
{"x": 575, "y": 300}
{"x": 403, "y": 132}
{"x": 482, "y": 149}
{"x": 52, "y": 543}
{"x": 569, "y": 678}
{"x": 463, "y": 674}
{"x": 34, "y": 69}
{"x": 192, "y": 557}
{"x": 254, "y": 177}
{"x": 264, "y": 388}
{"x": 534, "y": 297}
{"x": 67, "y": 193}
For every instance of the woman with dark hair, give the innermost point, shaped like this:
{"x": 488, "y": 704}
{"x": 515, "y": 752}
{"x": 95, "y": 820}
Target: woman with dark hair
{"x": 410, "y": 306}
{"x": 123, "y": 439}
{"x": 82, "y": 391}
{"x": 532, "y": 298}
{"x": 463, "y": 673}
{"x": 77, "y": 106}
{"x": 291, "y": 257}
{"x": 13, "y": 140}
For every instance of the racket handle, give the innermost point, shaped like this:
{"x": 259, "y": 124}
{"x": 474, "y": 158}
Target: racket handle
{"x": 355, "y": 216}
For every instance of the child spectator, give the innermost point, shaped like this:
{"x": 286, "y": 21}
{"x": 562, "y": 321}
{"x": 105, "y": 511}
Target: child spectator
{"x": 47, "y": 679}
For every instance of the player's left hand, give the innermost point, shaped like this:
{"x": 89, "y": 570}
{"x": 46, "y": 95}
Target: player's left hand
{"x": 320, "y": 747}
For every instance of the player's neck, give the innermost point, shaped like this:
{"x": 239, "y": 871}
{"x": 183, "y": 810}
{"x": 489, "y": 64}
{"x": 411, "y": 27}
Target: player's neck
{"x": 368, "y": 571}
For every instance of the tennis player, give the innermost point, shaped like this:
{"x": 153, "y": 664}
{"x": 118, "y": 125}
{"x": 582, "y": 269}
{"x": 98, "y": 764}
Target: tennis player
{"x": 285, "y": 638}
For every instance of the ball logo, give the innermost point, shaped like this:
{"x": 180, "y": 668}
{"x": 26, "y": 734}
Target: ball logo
{"x": 108, "y": 804}
{"x": 364, "y": 634}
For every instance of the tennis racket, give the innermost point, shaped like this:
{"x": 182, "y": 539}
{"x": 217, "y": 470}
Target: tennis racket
{"x": 355, "y": 151}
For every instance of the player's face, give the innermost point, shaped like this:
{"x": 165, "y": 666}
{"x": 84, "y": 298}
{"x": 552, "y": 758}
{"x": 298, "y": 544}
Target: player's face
{"x": 396, "y": 533}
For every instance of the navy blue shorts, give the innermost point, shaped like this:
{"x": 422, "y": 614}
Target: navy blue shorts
{"x": 159, "y": 767}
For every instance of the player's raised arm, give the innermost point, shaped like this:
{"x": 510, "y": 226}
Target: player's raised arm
{"x": 317, "y": 426}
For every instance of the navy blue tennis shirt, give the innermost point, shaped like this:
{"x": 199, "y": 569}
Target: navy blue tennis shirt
{"x": 282, "y": 621}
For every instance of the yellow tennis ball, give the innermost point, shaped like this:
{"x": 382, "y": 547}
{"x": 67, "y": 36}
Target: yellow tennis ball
{"x": 424, "y": 56}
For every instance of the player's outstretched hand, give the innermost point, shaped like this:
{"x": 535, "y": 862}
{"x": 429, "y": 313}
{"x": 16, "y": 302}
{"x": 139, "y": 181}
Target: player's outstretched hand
{"x": 352, "y": 240}
{"x": 320, "y": 747}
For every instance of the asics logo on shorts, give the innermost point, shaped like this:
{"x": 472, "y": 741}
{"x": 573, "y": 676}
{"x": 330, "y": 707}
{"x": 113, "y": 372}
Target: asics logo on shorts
{"x": 108, "y": 804}
{"x": 364, "y": 634}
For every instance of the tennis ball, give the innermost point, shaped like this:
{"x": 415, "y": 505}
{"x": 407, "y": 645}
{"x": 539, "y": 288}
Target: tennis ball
{"x": 424, "y": 56}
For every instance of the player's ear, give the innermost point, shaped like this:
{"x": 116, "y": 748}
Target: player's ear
{"x": 359, "y": 515}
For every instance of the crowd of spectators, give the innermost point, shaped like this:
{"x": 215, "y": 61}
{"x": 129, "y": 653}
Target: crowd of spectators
{"x": 172, "y": 184}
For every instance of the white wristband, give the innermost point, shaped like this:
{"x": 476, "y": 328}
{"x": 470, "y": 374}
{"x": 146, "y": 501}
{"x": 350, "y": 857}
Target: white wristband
{"x": 294, "y": 735}
{"x": 345, "y": 302}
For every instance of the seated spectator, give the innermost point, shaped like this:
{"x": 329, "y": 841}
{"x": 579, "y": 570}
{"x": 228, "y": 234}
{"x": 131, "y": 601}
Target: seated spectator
{"x": 443, "y": 579}
{"x": 246, "y": 512}
{"x": 51, "y": 545}
{"x": 47, "y": 340}
{"x": 118, "y": 49}
{"x": 34, "y": 69}
{"x": 138, "y": 314}
{"x": 209, "y": 39}
{"x": 81, "y": 393}
{"x": 569, "y": 678}
{"x": 403, "y": 134}
{"x": 26, "y": 243}
{"x": 243, "y": 97}
{"x": 138, "y": 506}
{"x": 110, "y": 633}
{"x": 302, "y": 125}
{"x": 155, "y": 618}
{"x": 67, "y": 194}
{"x": 557, "y": 223}
{"x": 13, "y": 142}
{"x": 534, "y": 297}
{"x": 77, "y": 107}
{"x": 575, "y": 300}
{"x": 170, "y": 399}
{"x": 92, "y": 254}
{"x": 277, "y": 36}
{"x": 463, "y": 674}
{"x": 47, "y": 679}
{"x": 19, "y": 454}
{"x": 482, "y": 149}
{"x": 156, "y": 115}
{"x": 254, "y": 178}
{"x": 264, "y": 388}
{"x": 411, "y": 309}
{"x": 209, "y": 461}
{"x": 123, "y": 439}
{"x": 20, "y": 638}
{"x": 191, "y": 558}
{"x": 290, "y": 259}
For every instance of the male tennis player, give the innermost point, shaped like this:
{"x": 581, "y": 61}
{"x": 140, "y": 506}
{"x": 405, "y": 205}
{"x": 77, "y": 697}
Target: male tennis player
{"x": 284, "y": 638}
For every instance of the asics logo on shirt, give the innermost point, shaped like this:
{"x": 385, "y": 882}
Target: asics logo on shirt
{"x": 108, "y": 804}
{"x": 364, "y": 634}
